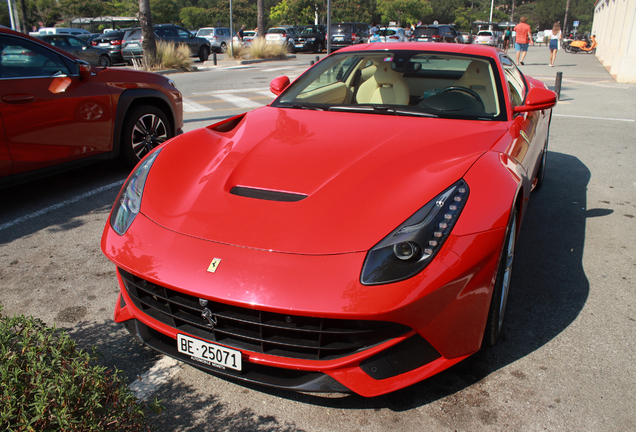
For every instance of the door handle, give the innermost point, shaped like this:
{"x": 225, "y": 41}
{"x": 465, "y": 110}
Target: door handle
{"x": 18, "y": 98}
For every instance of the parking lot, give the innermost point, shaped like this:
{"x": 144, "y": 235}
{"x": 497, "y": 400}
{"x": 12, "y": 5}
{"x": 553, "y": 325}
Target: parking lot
{"x": 567, "y": 358}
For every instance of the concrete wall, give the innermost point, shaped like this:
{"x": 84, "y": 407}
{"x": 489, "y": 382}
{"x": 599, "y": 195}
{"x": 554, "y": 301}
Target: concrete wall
{"x": 615, "y": 29}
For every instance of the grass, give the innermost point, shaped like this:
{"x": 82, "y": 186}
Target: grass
{"x": 260, "y": 50}
{"x": 169, "y": 56}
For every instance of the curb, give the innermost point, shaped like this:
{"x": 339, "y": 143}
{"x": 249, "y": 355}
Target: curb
{"x": 208, "y": 63}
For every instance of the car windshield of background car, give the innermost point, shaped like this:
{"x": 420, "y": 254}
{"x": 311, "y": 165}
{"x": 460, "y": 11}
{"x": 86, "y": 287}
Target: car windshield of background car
{"x": 334, "y": 83}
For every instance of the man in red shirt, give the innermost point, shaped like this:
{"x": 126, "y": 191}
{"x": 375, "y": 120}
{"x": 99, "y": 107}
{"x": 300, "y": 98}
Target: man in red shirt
{"x": 523, "y": 38}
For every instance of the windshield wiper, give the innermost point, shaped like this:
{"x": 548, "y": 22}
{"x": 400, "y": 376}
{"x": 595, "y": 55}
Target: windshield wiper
{"x": 380, "y": 109}
{"x": 301, "y": 106}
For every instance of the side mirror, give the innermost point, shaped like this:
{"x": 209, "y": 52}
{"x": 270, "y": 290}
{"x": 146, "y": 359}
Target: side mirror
{"x": 85, "y": 69}
{"x": 537, "y": 99}
{"x": 279, "y": 84}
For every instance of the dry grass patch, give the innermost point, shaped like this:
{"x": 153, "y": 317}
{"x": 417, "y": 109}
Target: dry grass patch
{"x": 237, "y": 52}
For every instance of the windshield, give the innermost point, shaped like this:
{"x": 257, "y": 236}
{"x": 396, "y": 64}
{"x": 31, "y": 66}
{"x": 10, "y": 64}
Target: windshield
{"x": 401, "y": 83}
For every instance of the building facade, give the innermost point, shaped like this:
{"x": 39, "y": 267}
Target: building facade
{"x": 615, "y": 29}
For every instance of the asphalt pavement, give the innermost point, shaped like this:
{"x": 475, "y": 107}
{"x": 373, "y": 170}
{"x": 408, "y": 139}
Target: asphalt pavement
{"x": 567, "y": 358}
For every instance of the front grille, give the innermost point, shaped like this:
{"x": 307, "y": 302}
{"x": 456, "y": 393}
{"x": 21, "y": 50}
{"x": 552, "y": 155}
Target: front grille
{"x": 284, "y": 335}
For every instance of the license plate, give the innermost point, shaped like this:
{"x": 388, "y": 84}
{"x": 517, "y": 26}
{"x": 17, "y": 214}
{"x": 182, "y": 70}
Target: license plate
{"x": 338, "y": 38}
{"x": 104, "y": 44}
{"x": 132, "y": 44}
{"x": 299, "y": 45}
{"x": 209, "y": 353}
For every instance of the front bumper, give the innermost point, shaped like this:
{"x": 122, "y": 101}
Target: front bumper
{"x": 444, "y": 308}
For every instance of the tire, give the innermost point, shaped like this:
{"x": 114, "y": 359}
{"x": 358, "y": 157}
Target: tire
{"x": 204, "y": 53}
{"x": 223, "y": 47}
{"x": 145, "y": 128}
{"x": 500, "y": 293}
{"x": 566, "y": 48}
{"x": 541, "y": 170}
{"x": 103, "y": 61}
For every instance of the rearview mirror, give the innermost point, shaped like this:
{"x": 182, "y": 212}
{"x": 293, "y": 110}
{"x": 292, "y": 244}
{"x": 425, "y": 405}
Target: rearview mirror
{"x": 537, "y": 99}
{"x": 84, "y": 69}
{"x": 279, "y": 84}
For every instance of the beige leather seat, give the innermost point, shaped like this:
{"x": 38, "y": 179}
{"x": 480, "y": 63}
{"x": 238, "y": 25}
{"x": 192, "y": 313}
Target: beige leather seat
{"x": 477, "y": 78}
{"x": 386, "y": 86}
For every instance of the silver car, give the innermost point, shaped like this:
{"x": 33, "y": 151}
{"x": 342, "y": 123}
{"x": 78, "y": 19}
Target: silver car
{"x": 219, "y": 37}
{"x": 486, "y": 37}
{"x": 79, "y": 48}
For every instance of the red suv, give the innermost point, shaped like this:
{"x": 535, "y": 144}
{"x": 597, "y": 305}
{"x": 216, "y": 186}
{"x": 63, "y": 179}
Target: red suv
{"x": 58, "y": 112}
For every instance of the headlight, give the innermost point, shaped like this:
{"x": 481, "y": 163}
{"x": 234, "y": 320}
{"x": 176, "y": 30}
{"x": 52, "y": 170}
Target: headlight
{"x": 408, "y": 250}
{"x": 128, "y": 202}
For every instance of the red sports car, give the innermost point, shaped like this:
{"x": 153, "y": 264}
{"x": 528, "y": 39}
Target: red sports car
{"x": 355, "y": 235}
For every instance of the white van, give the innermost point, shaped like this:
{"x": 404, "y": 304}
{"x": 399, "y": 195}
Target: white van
{"x": 60, "y": 30}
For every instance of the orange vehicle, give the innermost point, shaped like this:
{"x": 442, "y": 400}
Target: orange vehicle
{"x": 588, "y": 45}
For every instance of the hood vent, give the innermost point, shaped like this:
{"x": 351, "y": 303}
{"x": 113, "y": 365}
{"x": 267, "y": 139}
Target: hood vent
{"x": 268, "y": 195}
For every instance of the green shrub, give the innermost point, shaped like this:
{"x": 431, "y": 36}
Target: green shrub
{"x": 47, "y": 384}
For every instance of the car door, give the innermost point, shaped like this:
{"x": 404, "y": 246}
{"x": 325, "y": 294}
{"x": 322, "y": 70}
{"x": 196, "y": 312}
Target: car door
{"x": 185, "y": 37}
{"x": 81, "y": 49}
{"x": 5, "y": 156}
{"x": 526, "y": 126}
{"x": 50, "y": 116}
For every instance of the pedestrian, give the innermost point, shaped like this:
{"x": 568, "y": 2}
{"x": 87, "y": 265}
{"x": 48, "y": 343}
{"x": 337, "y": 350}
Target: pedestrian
{"x": 241, "y": 32}
{"x": 523, "y": 39}
{"x": 506, "y": 39}
{"x": 554, "y": 42}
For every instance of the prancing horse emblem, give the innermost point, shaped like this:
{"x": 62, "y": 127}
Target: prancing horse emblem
{"x": 207, "y": 314}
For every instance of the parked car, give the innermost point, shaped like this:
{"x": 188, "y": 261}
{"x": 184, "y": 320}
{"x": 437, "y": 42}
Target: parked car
{"x": 312, "y": 39}
{"x": 363, "y": 256}
{"x": 219, "y": 37}
{"x": 60, "y": 30}
{"x": 58, "y": 111}
{"x": 79, "y": 48}
{"x": 486, "y": 37}
{"x": 282, "y": 35}
{"x": 466, "y": 37}
{"x": 392, "y": 34}
{"x": 436, "y": 33}
{"x": 249, "y": 36}
{"x": 131, "y": 49}
{"x": 112, "y": 42}
{"x": 345, "y": 34}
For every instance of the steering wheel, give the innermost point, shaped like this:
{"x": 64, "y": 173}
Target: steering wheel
{"x": 464, "y": 90}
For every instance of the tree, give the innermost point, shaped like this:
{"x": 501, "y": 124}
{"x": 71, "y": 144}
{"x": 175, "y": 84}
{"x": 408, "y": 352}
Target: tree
{"x": 410, "y": 11}
{"x": 194, "y": 17}
{"x": 352, "y": 10}
{"x": 164, "y": 11}
{"x": 149, "y": 44}
{"x": 292, "y": 12}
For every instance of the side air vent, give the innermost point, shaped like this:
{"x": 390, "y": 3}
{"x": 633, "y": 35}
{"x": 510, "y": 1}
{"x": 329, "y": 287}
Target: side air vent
{"x": 268, "y": 195}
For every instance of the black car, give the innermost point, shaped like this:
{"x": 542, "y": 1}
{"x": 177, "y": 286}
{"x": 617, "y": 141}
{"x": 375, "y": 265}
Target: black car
{"x": 112, "y": 42}
{"x": 312, "y": 38}
{"x": 348, "y": 33}
{"x": 131, "y": 47}
{"x": 79, "y": 48}
{"x": 436, "y": 33}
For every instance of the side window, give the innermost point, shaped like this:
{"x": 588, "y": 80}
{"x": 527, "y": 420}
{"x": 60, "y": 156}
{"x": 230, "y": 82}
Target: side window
{"x": 20, "y": 58}
{"x": 76, "y": 43}
{"x": 515, "y": 82}
{"x": 183, "y": 34}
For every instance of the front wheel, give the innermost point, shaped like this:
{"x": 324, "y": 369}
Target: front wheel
{"x": 103, "y": 61}
{"x": 223, "y": 47}
{"x": 501, "y": 290}
{"x": 204, "y": 53}
{"x": 145, "y": 128}
{"x": 566, "y": 48}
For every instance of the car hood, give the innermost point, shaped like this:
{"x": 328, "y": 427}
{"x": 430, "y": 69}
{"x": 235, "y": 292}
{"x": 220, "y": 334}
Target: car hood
{"x": 359, "y": 176}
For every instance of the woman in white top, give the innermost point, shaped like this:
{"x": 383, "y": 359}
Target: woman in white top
{"x": 554, "y": 42}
